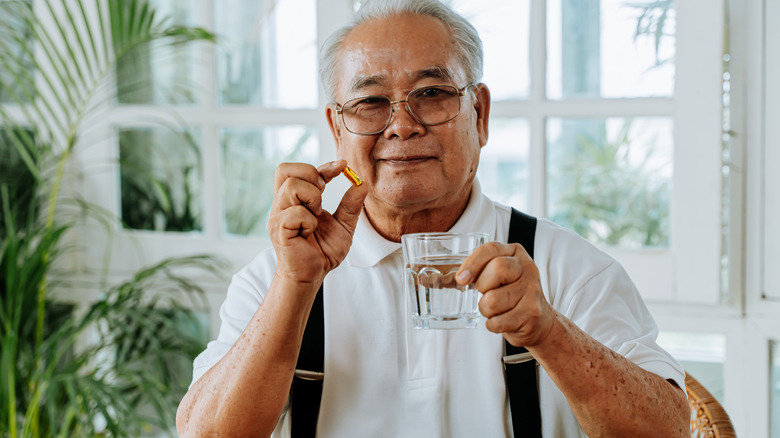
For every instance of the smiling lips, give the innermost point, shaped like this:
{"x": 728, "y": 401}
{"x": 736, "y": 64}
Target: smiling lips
{"x": 406, "y": 160}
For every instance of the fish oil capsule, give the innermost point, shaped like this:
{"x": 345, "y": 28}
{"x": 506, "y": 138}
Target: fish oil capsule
{"x": 352, "y": 176}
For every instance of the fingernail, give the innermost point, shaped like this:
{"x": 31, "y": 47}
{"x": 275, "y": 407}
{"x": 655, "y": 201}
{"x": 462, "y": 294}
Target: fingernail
{"x": 321, "y": 182}
{"x": 464, "y": 277}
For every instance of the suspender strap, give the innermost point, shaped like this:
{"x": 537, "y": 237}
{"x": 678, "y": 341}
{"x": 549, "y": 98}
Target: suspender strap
{"x": 306, "y": 393}
{"x": 521, "y": 378}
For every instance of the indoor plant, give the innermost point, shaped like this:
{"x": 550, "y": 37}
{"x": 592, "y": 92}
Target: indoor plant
{"x": 56, "y": 377}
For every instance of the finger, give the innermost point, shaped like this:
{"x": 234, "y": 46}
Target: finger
{"x": 471, "y": 268}
{"x": 330, "y": 170}
{"x": 499, "y": 301}
{"x": 350, "y": 207}
{"x": 293, "y": 222}
{"x": 498, "y": 272}
{"x": 524, "y": 325}
{"x": 507, "y": 322}
{"x": 301, "y": 171}
{"x": 296, "y": 191}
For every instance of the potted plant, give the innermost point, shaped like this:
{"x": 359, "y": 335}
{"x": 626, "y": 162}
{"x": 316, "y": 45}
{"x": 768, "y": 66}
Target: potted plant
{"x": 106, "y": 371}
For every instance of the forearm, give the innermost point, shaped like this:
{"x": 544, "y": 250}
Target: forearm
{"x": 245, "y": 393}
{"x": 610, "y": 395}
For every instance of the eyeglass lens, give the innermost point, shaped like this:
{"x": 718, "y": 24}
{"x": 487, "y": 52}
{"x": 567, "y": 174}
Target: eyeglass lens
{"x": 429, "y": 105}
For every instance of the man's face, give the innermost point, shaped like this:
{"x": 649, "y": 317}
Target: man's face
{"x": 409, "y": 167}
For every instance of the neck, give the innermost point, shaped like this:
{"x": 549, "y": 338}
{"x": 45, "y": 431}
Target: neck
{"x": 391, "y": 223}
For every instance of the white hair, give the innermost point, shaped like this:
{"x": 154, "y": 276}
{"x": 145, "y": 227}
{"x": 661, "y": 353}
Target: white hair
{"x": 468, "y": 45}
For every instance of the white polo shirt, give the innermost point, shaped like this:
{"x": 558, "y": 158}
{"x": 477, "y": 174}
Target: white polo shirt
{"x": 385, "y": 378}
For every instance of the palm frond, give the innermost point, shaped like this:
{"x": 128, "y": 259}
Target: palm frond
{"x": 55, "y": 60}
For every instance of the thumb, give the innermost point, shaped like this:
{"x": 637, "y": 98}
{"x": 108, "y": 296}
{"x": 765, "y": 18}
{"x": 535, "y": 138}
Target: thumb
{"x": 351, "y": 205}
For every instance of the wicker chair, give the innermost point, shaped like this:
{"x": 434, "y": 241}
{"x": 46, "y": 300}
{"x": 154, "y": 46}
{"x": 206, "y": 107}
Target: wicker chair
{"x": 708, "y": 419}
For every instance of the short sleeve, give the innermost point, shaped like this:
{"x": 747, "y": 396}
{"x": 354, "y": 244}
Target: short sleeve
{"x": 596, "y": 293}
{"x": 609, "y": 308}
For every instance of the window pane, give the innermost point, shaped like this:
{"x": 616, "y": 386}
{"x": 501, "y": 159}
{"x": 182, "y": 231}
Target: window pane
{"x": 609, "y": 179}
{"x": 703, "y": 356}
{"x": 15, "y": 176}
{"x": 249, "y": 159}
{"x": 774, "y": 405}
{"x": 267, "y": 52}
{"x": 503, "y": 162}
{"x": 610, "y": 48}
{"x": 161, "y": 179}
{"x": 13, "y": 26}
{"x": 161, "y": 73}
{"x": 504, "y": 28}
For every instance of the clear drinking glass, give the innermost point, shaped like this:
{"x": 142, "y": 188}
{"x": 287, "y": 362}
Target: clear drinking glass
{"x": 431, "y": 261}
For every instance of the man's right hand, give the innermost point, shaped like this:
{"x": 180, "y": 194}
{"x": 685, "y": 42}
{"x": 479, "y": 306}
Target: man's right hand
{"x": 309, "y": 241}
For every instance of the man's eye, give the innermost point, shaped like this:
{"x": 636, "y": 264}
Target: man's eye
{"x": 370, "y": 100}
{"x": 367, "y": 103}
{"x": 436, "y": 93}
{"x": 432, "y": 92}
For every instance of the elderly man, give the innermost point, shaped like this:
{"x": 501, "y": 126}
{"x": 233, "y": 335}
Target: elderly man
{"x": 574, "y": 308}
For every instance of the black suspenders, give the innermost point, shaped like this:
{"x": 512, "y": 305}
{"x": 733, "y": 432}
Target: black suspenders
{"x": 521, "y": 378}
{"x": 306, "y": 392}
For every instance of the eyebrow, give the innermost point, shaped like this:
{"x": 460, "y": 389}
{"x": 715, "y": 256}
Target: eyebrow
{"x": 361, "y": 82}
{"x": 436, "y": 72}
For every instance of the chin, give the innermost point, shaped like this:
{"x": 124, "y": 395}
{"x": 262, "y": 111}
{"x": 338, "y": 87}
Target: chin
{"x": 408, "y": 196}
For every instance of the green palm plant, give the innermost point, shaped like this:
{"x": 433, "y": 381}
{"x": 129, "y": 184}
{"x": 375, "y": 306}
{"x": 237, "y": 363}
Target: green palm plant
{"x": 55, "y": 61}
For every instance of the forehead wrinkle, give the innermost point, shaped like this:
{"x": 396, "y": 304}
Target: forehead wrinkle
{"x": 437, "y": 72}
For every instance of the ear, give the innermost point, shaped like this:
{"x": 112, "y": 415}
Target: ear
{"x": 335, "y": 127}
{"x": 482, "y": 109}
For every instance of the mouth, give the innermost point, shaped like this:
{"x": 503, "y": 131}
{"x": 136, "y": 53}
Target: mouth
{"x": 399, "y": 161}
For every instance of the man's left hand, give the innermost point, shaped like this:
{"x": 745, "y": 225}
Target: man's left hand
{"x": 512, "y": 298}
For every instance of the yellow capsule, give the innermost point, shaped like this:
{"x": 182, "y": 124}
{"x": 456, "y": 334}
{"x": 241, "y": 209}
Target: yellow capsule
{"x": 352, "y": 176}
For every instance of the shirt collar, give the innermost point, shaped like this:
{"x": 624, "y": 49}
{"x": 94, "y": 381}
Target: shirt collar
{"x": 369, "y": 247}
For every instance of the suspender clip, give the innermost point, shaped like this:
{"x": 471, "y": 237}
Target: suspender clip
{"x": 518, "y": 358}
{"x": 309, "y": 375}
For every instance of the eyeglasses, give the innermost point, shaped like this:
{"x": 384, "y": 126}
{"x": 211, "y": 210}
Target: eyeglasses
{"x": 432, "y": 105}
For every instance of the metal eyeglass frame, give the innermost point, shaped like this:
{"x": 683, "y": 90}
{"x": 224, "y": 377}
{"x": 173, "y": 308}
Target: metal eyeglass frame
{"x": 461, "y": 93}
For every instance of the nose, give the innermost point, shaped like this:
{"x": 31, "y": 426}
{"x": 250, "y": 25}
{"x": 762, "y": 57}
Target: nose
{"x": 403, "y": 124}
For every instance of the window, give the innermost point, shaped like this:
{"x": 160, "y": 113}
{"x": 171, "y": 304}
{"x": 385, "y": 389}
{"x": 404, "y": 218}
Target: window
{"x": 701, "y": 354}
{"x": 12, "y": 24}
{"x": 249, "y": 159}
{"x": 161, "y": 183}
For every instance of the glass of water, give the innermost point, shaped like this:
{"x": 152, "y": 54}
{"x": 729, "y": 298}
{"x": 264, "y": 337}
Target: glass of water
{"x": 431, "y": 261}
